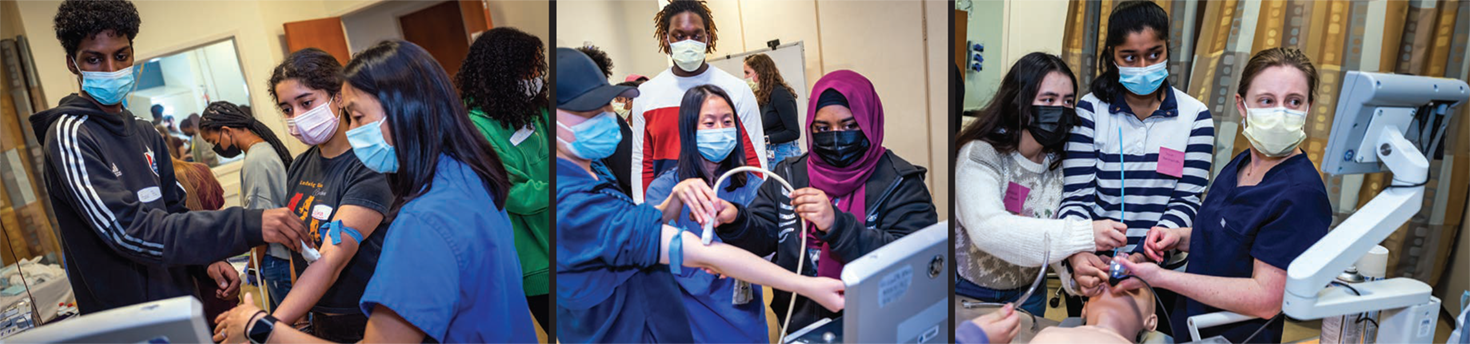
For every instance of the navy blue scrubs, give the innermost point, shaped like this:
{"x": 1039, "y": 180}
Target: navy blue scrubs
{"x": 708, "y": 297}
{"x": 610, "y": 287}
{"x": 1273, "y": 221}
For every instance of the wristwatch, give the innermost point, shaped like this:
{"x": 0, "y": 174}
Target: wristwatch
{"x": 262, "y": 329}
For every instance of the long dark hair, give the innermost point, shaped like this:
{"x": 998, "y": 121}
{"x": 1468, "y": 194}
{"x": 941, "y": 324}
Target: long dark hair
{"x": 222, "y": 114}
{"x": 1000, "y": 123}
{"x": 426, "y": 118}
{"x": 490, "y": 78}
{"x": 769, "y": 76}
{"x": 690, "y": 161}
{"x": 1128, "y": 18}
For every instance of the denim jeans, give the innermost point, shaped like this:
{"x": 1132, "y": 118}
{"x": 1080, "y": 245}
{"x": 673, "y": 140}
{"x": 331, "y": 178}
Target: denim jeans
{"x": 277, "y": 275}
{"x": 780, "y": 151}
{"x": 1036, "y": 304}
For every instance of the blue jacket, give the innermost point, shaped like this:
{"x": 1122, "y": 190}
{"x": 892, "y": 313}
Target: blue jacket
{"x": 707, "y": 297}
{"x": 610, "y": 287}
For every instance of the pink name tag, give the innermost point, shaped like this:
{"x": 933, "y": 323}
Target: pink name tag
{"x": 1171, "y": 162}
{"x": 1016, "y": 197}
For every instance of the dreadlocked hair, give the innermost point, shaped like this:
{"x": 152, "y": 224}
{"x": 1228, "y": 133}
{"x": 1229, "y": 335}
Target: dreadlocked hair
{"x": 665, "y": 17}
{"x": 491, "y": 77}
{"x": 769, "y": 76}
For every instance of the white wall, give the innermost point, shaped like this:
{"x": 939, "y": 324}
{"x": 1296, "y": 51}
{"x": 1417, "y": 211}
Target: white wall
{"x": 1031, "y": 26}
{"x": 622, "y": 29}
{"x": 900, "y": 45}
{"x": 533, "y": 17}
{"x": 227, "y": 79}
{"x": 378, "y": 22}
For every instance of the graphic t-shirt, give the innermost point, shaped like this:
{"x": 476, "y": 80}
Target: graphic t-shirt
{"x": 317, "y": 188}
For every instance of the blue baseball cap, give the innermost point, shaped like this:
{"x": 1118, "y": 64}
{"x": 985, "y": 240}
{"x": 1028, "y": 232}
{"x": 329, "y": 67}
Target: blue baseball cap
{"x": 581, "y": 86}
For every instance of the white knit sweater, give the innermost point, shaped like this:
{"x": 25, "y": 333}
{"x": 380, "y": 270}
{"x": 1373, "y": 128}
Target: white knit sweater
{"x": 996, "y": 248}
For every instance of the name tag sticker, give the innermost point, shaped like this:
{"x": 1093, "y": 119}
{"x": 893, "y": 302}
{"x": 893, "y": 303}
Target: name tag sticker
{"x": 1015, "y": 199}
{"x": 321, "y": 212}
{"x": 149, "y": 194}
{"x": 521, "y": 135}
{"x": 1171, "y": 162}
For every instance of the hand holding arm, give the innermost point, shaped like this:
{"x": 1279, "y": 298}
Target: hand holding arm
{"x": 321, "y": 275}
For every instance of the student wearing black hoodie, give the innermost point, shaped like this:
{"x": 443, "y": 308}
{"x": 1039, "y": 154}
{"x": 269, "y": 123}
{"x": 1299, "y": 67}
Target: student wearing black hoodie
{"x": 120, "y": 210}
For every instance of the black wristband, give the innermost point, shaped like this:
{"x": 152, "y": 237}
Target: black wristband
{"x": 261, "y": 328}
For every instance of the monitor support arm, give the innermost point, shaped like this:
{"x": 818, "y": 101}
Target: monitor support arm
{"x": 1308, "y": 295}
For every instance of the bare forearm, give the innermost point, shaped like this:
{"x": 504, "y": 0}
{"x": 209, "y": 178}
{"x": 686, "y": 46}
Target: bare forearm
{"x": 1235, "y": 294}
{"x": 732, "y": 261}
{"x": 309, "y": 288}
{"x": 384, "y": 326}
{"x": 283, "y": 333}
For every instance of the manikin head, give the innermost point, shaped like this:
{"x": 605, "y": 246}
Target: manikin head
{"x": 1131, "y": 313}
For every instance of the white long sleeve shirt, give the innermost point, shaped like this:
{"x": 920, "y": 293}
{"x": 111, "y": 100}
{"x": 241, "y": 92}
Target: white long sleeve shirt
{"x": 997, "y": 248}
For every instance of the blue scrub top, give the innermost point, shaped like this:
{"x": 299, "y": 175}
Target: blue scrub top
{"x": 610, "y": 287}
{"x": 1273, "y": 221}
{"x": 708, "y": 297}
{"x": 449, "y": 264}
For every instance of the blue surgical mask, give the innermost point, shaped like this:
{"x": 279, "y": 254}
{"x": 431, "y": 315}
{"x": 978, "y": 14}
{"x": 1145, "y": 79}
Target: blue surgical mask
{"x": 107, "y": 88}
{"x": 716, "y": 144}
{"x": 597, "y": 137}
{"x": 1143, "y": 80}
{"x": 368, "y": 145}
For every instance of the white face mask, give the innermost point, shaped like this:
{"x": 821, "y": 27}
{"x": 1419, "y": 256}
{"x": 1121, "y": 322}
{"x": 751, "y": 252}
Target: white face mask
{"x": 1275, "y": 132}
{"x": 314, "y": 126}
{"x": 621, "y": 110}
{"x": 688, "y": 54}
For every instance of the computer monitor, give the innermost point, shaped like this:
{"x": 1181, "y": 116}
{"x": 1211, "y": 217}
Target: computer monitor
{"x": 1373, "y": 102}
{"x": 899, "y": 293}
{"x": 175, "y": 320}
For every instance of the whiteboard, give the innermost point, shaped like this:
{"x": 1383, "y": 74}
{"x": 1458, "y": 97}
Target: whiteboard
{"x": 790, "y": 59}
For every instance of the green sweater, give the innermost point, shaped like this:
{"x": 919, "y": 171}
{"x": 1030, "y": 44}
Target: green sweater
{"x": 529, "y": 201}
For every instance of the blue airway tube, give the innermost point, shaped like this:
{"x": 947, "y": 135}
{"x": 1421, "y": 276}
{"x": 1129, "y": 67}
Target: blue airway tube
{"x": 1122, "y": 190}
{"x": 1115, "y": 270}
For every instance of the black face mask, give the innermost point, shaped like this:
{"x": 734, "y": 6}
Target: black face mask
{"x": 228, "y": 153}
{"x": 1050, "y": 125}
{"x": 840, "y": 148}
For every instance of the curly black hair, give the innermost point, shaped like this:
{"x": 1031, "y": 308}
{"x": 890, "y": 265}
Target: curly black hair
{"x": 665, "y": 17}
{"x": 491, "y": 77}
{"x": 600, "y": 58}
{"x": 313, "y": 67}
{"x": 77, "y": 20}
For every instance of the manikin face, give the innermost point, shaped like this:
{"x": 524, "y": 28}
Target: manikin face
{"x": 1134, "y": 308}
